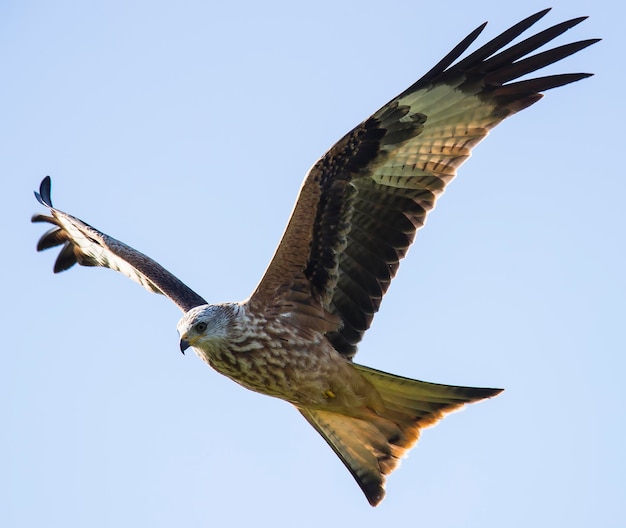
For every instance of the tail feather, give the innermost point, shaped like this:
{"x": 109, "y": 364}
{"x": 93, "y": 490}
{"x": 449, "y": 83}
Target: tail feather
{"x": 372, "y": 444}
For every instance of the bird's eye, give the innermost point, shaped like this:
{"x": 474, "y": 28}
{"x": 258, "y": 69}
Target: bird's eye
{"x": 200, "y": 327}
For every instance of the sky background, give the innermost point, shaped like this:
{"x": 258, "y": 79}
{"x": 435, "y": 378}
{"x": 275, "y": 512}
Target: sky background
{"x": 185, "y": 129}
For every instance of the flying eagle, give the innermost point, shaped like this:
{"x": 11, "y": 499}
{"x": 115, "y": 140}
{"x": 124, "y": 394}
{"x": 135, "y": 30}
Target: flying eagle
{"x": 355, "y": 217}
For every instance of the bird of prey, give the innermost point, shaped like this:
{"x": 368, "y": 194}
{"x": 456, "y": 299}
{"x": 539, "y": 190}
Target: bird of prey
{"x": 355, "y": 217}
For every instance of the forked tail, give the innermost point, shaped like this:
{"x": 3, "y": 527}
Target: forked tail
{"x": 372, "y": 445}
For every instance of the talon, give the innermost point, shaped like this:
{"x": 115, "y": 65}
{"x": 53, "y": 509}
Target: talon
{"x": 328, "y": 394}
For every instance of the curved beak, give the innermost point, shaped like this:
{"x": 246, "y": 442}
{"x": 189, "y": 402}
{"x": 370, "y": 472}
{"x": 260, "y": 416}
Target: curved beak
{"x": 184, "y": 344}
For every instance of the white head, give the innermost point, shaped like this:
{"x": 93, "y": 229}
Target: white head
{"x": 205, "y": 325}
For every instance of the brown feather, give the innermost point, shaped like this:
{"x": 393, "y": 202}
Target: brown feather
{"x": 87, "y": 246}
{"x": 362, "y": 202}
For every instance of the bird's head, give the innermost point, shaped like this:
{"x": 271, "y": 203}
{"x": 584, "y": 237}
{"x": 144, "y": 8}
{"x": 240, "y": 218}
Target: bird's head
{"x": 204, "y": 326}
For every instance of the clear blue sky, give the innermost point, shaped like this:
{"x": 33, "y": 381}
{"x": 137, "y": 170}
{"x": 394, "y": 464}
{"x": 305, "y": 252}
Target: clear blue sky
{"x": 185, "y": 129}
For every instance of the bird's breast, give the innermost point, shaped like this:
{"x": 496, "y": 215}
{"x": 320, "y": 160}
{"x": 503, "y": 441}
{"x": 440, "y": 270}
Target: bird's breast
{"x": 308, "y": 373}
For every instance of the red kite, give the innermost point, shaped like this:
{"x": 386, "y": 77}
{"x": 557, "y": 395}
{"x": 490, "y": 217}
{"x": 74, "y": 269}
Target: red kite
{"x": 356, "y": 215}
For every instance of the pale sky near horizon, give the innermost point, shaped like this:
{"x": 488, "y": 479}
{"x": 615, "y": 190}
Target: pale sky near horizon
{"x": 184, "y": 129}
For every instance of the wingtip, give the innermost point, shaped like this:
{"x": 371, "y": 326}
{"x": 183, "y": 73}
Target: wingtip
{"x": 541, "y": 13}
{"x": 580, "y": 19}
{"x": 44, "y": 194}
{"x": 532, "y": 19}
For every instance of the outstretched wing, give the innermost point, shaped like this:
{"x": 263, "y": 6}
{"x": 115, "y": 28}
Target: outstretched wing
{"x": 360, "y": 205}
{"x": 87, "y": 246}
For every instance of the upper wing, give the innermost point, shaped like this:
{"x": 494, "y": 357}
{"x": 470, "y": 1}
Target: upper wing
{"x": 87, "y": 246}
{"x": 362, "y": 202}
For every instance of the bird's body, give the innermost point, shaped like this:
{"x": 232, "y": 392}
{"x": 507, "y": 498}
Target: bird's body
{"x": 269, "y": 356}
{"x": 355, "y": 218}
{"x": 370, "y": 418}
